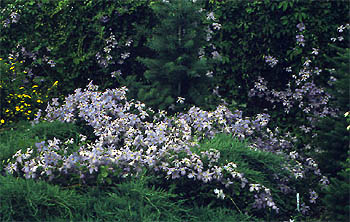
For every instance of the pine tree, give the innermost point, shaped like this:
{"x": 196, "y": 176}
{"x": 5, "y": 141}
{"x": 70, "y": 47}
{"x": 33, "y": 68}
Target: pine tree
{"x": 176, "y": 69}
{"x": 333, "y": 139}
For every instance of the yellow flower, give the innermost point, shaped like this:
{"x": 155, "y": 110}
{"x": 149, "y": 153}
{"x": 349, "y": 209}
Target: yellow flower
{"x": 21, "y": 87}
{"x": 7, "y": 110}
{"x": 39, "y": 101}
{"x": 10, "y": 58}
{"x": 35, "y": 86}
{"x": 17, "y": 108}
{"x": 2, "y": 121}
{"x": 0, "y": 59}
{"x": 29, "y": 111}
{"x": 12, "y": 67}
{"x": 34, "y": 91}
{"x": 55, "y": 84}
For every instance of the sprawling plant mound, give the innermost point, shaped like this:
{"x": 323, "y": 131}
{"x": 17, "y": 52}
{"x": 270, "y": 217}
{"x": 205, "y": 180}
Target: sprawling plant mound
{"x": 130, "y": 138}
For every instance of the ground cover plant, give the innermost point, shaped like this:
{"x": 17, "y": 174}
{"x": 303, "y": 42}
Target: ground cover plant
{"x": 141, "y": 136}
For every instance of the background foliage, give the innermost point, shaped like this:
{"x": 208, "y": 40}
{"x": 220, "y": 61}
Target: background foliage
{"x": 50, "y": 48}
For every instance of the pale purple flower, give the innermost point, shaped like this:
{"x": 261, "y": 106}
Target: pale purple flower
{"x": 300, "y": 40}
{"x": 301, "y": 27}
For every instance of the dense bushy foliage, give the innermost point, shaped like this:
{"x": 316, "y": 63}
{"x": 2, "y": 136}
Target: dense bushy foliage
{"x": 243, "y": 41}
{"x": 333, "y": 140}
{"x": 333, "y": 137}
{"x": 337, "y": 195}
{"x": 72, "y": 41}
{"x": 20, "y": 98}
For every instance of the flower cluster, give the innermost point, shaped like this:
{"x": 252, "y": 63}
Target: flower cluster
{"x": 105, "y": 59}
{"x": 341, "y": 30}
{"x": 300, "y": 37}
{"x": 213, "y": 26}
{"x": 271, "y": 61}
{"x": 302, "y": 93}
{"x": 13, "y": 17}
{"x": 20, "y": 100}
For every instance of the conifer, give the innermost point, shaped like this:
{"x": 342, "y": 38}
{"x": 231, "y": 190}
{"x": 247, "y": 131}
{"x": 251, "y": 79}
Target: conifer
{"x": 176, "y": 69}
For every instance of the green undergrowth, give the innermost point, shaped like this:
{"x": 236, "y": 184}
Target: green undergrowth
{"x": 133, "y": 200}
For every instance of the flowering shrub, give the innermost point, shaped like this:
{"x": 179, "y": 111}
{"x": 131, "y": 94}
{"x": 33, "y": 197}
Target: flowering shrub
{"x": 131, "y": 137}
{"x": 304, "y": 98}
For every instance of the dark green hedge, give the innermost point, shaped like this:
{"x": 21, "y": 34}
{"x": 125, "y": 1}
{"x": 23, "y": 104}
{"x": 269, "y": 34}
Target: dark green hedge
{"x": 251, "y": 29}
{"x": 71, "y": 33}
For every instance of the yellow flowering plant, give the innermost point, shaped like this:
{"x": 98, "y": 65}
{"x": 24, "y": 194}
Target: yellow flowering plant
{"x": 20, "y": 97}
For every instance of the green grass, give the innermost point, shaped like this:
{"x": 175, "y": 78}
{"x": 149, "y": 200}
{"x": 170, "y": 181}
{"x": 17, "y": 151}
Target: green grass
{"x": 29, "y": 200}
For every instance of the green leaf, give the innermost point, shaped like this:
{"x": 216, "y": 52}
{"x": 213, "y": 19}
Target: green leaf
{"x": 104, "y": 174}
{"x": 109, "y": 181}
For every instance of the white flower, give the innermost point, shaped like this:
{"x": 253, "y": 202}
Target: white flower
{"x": 180, "y": 100}
{"x": 341, "y": 28}
{"x": 125, "y": 55}
{"x": 210, "y": 16}
{"x": 219, "y": 193}
{"x": 217, "y": 25}
{"x": 254, "y": 187}
{"x": 289, "y": 69}
{"x": 209, "y": 74}
{"x": 116, "y": 73}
